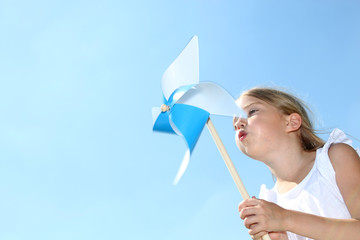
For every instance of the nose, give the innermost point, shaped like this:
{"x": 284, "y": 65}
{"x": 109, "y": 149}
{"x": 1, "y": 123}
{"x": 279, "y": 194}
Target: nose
{"x": 239, "y": 122}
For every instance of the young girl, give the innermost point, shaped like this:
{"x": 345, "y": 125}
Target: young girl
{"x": 317, "y": 190}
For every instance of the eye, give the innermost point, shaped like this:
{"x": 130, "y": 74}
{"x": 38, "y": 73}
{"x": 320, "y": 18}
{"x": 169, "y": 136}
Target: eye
{"x": 252, "y": 112}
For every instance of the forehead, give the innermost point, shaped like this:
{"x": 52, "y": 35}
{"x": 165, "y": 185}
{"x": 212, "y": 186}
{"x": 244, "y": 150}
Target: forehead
{"x": 246, "y": 101}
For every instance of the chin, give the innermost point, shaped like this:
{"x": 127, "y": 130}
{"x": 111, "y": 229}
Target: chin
{"x": 248, "y": 152}
{"x": 245, "y": 151}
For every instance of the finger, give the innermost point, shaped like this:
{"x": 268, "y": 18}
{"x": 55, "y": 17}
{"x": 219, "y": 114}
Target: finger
{"x": 251, "y": 221}
{"x": 248, "y": 211}
{"x": 278, "y": 235}
{"x": 275, "y": 235}
{"x": 259, "y": 235}
{"x": 248, "y": 203}
{"x": 257, "y": 227}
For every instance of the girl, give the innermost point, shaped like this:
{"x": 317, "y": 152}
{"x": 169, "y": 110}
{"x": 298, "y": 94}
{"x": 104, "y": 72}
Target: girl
{"x": 317, "y": 189}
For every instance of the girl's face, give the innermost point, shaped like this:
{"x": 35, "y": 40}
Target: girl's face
{"x": 260, "y": 134}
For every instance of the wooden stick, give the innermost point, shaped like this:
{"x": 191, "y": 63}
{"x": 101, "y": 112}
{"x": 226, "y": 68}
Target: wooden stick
{"x": 229, "y": 164}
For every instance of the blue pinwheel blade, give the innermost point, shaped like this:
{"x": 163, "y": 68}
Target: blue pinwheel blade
{"x": 162, "y": 123}
{"x": 187, "y": 121}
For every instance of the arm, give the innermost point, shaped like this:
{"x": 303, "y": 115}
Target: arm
{"x": 346, "y": 163}
{"x": 261, "y": 216}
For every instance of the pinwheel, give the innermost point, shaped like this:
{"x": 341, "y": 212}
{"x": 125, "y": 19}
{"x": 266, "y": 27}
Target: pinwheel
{"x": 188, "y": 104}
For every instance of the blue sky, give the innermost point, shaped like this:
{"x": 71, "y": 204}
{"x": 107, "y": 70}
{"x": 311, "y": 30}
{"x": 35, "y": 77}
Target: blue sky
{"x": 78, "y": 158}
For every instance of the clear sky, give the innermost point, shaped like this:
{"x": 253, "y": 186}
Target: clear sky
{"x": 78, "y": 158}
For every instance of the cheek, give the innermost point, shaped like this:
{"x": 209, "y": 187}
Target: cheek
{"x": 263, "y": 130}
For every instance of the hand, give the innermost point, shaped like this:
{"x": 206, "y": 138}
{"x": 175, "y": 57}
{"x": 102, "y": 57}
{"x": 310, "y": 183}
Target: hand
{"x": 262, "y": 217}
{"x": 278, "y": 236}
{"x": 272, "y": 235}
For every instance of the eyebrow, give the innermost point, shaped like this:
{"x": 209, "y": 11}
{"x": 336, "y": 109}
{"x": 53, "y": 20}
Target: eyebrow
{"x": 247, "y": 106}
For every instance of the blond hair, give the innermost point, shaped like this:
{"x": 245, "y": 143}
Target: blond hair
{"x": 288, "y": 104}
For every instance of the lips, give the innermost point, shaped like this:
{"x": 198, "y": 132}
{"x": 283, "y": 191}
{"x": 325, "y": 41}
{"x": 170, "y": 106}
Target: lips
{"x": 242, "y": 135}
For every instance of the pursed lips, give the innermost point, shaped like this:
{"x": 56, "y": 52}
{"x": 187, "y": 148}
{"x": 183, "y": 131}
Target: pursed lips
{"x": 242, "y": 135}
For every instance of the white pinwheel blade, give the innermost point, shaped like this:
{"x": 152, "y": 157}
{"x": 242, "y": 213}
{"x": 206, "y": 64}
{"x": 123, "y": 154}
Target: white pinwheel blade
{"x": 183, "y": 167}
{"x": 183, "y": 71}
{"x": 211, "y": 98}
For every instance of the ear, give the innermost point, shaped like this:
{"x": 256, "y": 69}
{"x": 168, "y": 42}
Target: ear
{"x": 293, "y": 122}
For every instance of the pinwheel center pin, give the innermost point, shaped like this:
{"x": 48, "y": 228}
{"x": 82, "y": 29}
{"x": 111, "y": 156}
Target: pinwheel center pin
{"x": 164, "y": 108}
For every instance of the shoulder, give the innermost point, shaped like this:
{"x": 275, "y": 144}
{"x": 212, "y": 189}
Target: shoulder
{"x": 345, "y": 160}
{"x": 342, "y": 155}
{"x": 346, "y": 163}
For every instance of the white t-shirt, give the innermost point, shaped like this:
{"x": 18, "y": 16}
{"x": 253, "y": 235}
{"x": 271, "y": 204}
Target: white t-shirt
{"x": 318, "y": 192}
